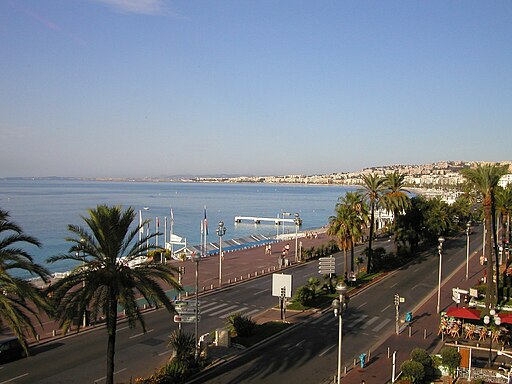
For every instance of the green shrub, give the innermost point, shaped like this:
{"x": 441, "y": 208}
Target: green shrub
{"x": 421, "y": 356}
{"x": 413, "y": 371}
{"x": 304, "y": 295}
{"x": 451, "y": 359}
{"x": 243, "y": 326}
{"x": 183, "y": 344}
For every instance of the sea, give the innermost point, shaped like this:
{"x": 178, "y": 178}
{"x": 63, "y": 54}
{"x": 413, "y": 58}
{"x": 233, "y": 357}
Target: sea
{"x": 45, "y": 207}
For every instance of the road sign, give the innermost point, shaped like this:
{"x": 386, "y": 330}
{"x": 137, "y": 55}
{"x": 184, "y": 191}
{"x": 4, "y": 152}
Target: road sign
{"x": 456, "y": 292}
{"x": 281, "y": 284}
{"x": 186, "y": 307}
{"x": 326, "y": 265}
{"x": 186, "y": 318}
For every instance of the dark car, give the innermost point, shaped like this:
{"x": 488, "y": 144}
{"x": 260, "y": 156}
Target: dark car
{"x": 11, "y": 349}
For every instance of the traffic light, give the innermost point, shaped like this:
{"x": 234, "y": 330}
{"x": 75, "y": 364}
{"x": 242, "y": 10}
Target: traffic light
{"x": 283, "y": 292}
{"x": 397, "y": 300}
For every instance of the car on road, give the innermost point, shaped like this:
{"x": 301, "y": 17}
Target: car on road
{"x": 11, "y": 349}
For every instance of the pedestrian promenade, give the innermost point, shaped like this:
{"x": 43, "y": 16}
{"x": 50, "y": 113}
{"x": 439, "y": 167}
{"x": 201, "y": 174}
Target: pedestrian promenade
{"x": 421, "y": 334}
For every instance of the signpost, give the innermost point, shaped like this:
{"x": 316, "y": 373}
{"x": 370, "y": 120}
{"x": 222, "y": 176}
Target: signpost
{"x": 282, "y": 288}
{"x": 327, "y": 266}
{"x": 456, "y": 292}
{"x": 186, "y": 310}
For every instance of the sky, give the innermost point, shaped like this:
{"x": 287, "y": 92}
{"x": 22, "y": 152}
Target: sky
{"x": 152, "y": 88}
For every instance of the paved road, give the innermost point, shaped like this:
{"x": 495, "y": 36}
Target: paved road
{"x": 309, "y": 354}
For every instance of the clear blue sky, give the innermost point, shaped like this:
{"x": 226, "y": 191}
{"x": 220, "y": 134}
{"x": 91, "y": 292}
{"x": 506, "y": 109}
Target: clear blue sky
{"x": 150, "y": 88}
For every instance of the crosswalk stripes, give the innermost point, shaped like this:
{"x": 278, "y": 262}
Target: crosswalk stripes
{"x": 381, "y": 325}
{"x": 223, "y": 310}
{"x": 239, "y": 310}
{"x": 360, "y": 319}
{"x": 214, "y": 308}
{"x": 359, "y": 322}
{"x": 369, "y": 322}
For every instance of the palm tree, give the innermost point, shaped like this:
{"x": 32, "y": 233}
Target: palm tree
{"x": 374, "y": 188}
{"x": 484, "y": 179}
{"x": 108, "y": 274}
{"x": 504, "y": 207}
{"x": 346, "y": 226}
{"x": 339, "y": 230}
{"x": 395, "y": 198}
{"x": 18, "y": 295}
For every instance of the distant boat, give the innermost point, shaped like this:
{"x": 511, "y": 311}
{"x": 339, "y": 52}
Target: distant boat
{"x": 146, "y": 208}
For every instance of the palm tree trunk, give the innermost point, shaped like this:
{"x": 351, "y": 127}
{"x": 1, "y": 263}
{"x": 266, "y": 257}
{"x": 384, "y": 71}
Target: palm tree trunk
{"x": 111, "y": 346}
{"x": 370, "y": 240}
{"x": 495, "y": 247}
{"x": 490, "y": 297}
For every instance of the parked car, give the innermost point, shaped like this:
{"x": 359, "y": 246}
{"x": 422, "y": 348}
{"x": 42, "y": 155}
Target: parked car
{"x": 11, "y": 349}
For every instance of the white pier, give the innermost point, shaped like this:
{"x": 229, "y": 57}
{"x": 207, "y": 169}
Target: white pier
{"x": 258, "y": 220}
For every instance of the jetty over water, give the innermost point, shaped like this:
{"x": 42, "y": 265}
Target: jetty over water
{"x": 258, "y": 220}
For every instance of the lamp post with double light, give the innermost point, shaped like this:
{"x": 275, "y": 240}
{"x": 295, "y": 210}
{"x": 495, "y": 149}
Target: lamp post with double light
{"x": 468, "y": 230}
{"x": 440, "y": 251}
{"x": 296, "y": 221}
{"x": 221, "y": 231}
{"x": 495, "y": 320}
{"x": 195, "y": 258}
{"x": 338, "y": 306}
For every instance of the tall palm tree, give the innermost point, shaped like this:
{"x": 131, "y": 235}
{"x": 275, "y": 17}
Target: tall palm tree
{"x": 107, "y": 275}
{"x": 18, "y": 296}
{"x": 484, "y": 179}
{"x": 395, "y": 199}
{"x": 346, "y": 226}
{"x": 373, "y": 187}
{"x": 338, "y": 229}
{"x": 504, "y": 207}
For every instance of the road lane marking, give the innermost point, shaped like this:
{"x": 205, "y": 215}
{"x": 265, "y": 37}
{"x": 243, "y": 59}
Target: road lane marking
{"x": 381, "y": 325}
{"x": 222, "y": 310}
{"x": 259, "y": 292}
{"x": 105, "y": 377}
{"x": 212, "y": 309}
{"x": 362, "y": 305}
{"x": 165, "y": 352}
{"x": 327, "y": 350}
{"x": 385, "y": 308}
{"x": 252, "y": 312}
{"x": 232, "y": 312}
{"x": 298, "y": 344}
{"x": 14, "y": 378}
{"x": 359, "y": 320}
{"x": 141, "y": 334}
{"x": 369, "y": 322}
{"x": 394, "y": 285}
{"x": 122, "y": 329}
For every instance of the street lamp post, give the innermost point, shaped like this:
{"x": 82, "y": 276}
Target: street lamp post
{"x": 487, "y": 320}
{"x": 82, "y": 248}
{"x": 196, "y": 257}
{"x": 468, "y": 229}
{"x": 297, "y": 223}
{"x": 221, "y": 231}
{"x": 440, "y": 250}
{"x": 339, "y": 305}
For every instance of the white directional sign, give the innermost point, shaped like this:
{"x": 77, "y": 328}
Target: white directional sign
{"x": 326, "y": 265}
{"x": 186, "y": 307}
{"x": 186, "y": 318}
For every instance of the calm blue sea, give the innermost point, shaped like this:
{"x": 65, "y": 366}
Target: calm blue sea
{"x": 44, "y": 208}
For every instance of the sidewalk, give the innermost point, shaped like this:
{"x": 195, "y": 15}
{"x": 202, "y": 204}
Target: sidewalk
{"x": 422, "y": 332}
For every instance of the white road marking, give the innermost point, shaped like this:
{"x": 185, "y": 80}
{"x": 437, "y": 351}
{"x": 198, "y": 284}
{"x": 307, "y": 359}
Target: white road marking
{"x": 141, "y": 334}
{"x": 14, "y": 378}
{"x": 222, "y": 310}
{"x": 327, "y": 350}
{"x": 381, "y": 325}
{"x": 230, "y": 313}
{"x": 115, "y": 373}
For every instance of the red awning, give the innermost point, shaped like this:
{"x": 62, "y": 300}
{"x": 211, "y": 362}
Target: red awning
{"x": 464, "y": 313}
{"x": 505, "y": 317}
